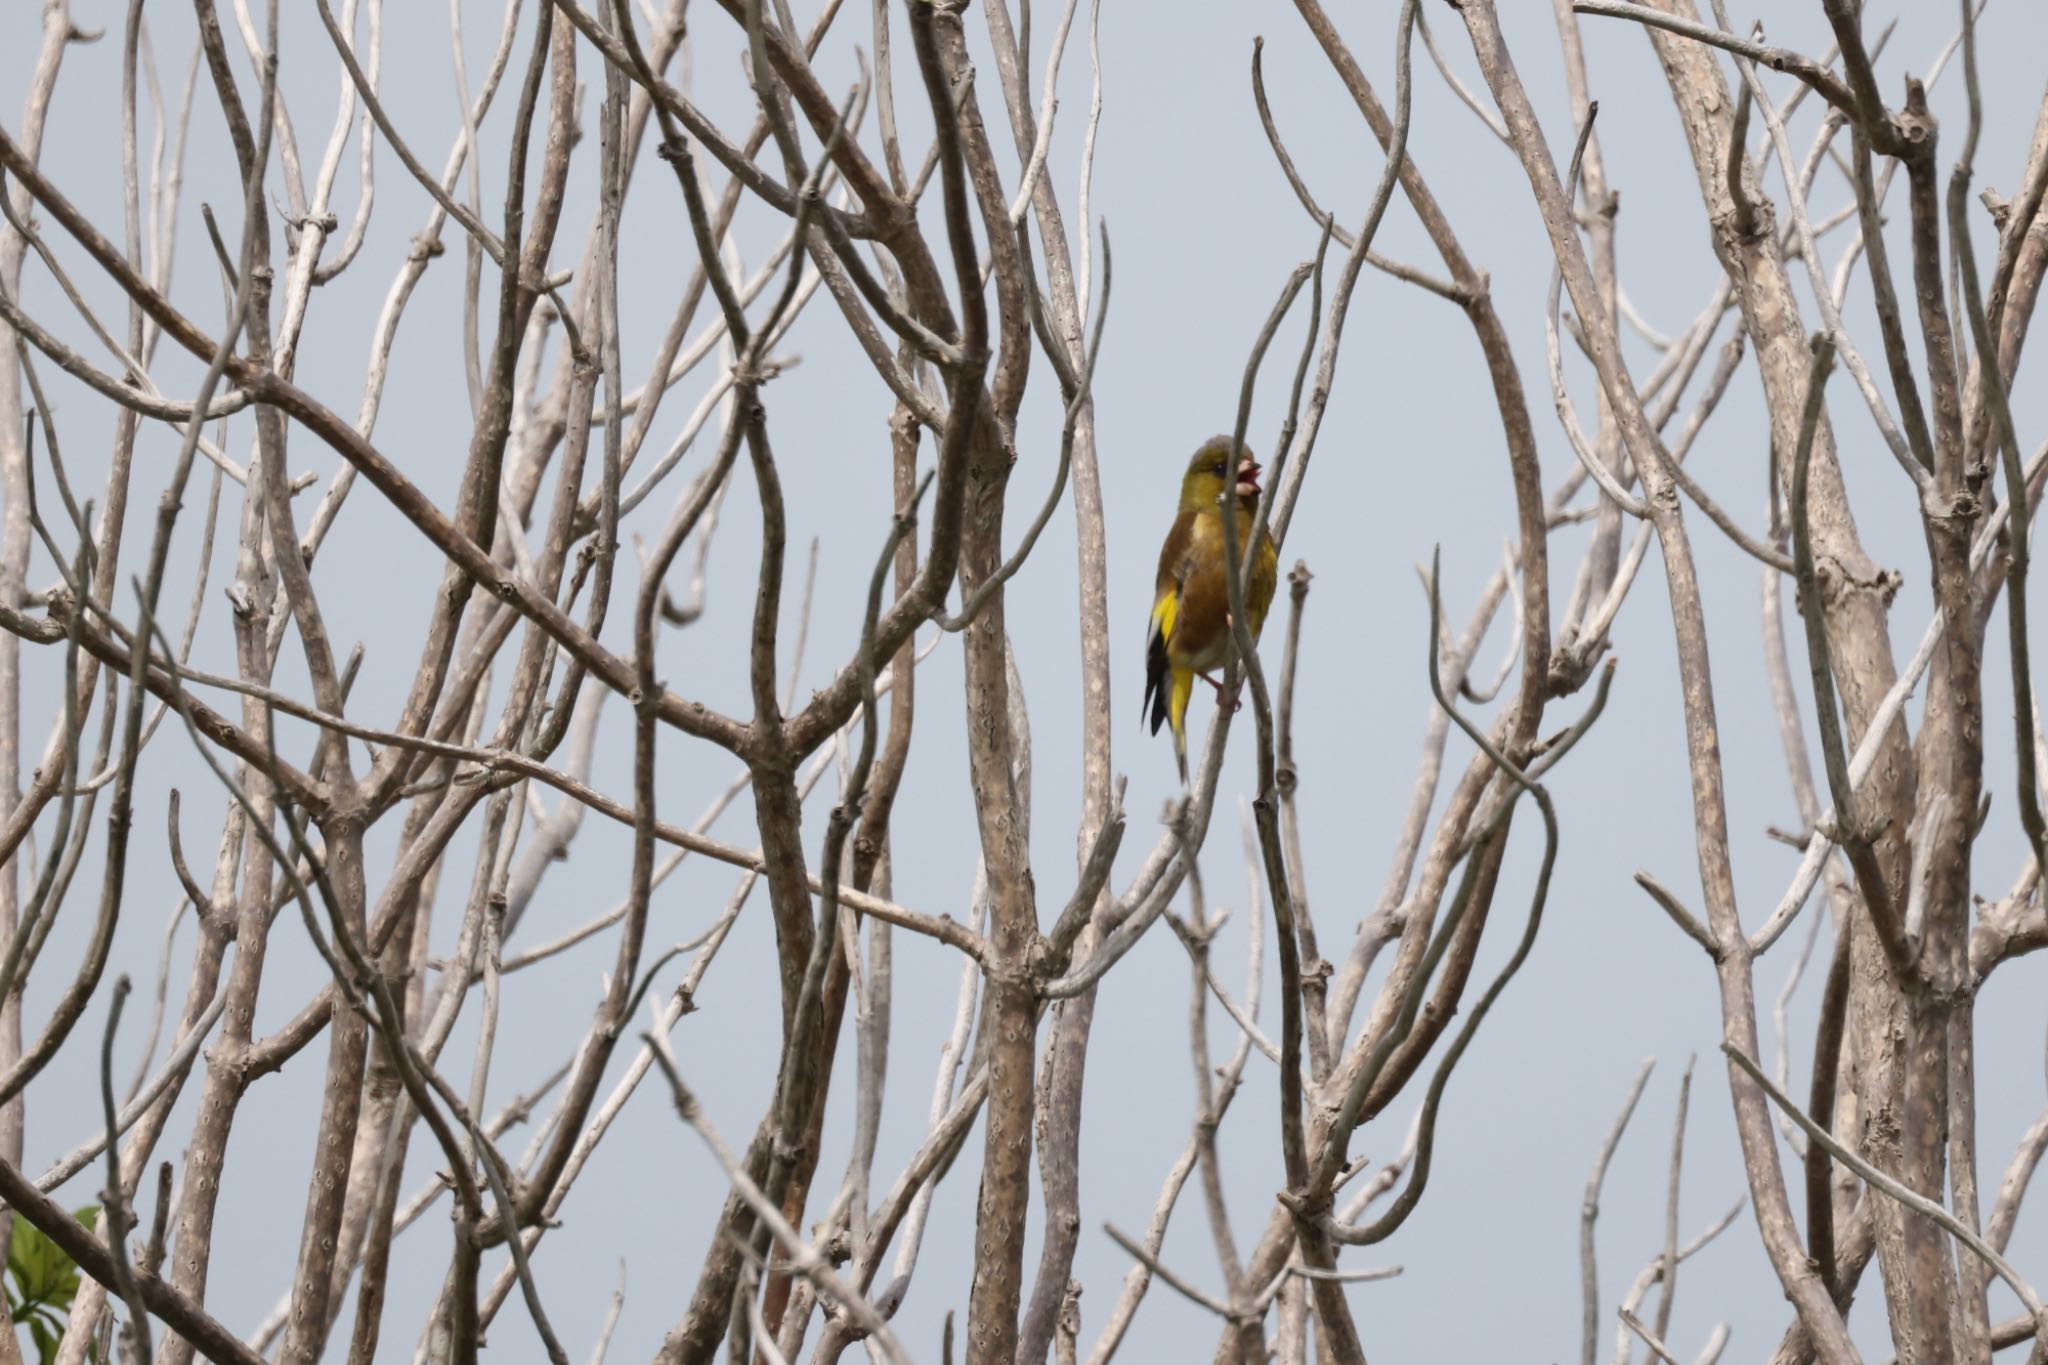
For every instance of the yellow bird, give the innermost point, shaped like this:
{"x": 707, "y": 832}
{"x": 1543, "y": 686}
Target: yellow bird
{"x": 1190, "y": 631}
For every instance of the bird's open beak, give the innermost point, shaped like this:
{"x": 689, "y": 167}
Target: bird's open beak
{"x": 1248, "y": 476}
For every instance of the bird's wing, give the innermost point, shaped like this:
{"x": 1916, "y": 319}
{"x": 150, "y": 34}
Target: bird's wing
{"x": 1166, "y": 600}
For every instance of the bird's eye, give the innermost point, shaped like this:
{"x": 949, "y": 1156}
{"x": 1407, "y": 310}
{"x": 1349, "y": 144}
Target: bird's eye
{"x": 1215, "y": 469}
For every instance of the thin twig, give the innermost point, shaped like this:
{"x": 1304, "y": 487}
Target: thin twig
{"x": 1589, "y": 1216}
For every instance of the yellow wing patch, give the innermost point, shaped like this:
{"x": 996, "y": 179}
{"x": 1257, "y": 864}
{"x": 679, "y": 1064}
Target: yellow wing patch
{"x": 1165, "y": 616}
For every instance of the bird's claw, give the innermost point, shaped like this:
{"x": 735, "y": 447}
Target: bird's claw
{"x": 1225, "y": 696}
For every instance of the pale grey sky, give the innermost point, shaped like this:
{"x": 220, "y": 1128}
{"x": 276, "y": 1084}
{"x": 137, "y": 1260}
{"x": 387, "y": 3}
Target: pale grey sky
{"x": 1205, "y": 229}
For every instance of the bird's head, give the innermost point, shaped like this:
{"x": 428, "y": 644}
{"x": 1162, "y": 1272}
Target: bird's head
{"x": 1213, "y": 469}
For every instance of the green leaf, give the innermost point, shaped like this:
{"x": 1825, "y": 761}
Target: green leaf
{"x": 42, "y": 1271}
{"x": 47, "y": 1279}
{"x": 46, "y": 1340}
{"x": 35, "y": 1262}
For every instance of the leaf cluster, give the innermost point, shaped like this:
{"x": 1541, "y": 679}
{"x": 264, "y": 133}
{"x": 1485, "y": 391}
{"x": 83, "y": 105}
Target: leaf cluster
{"x": 42, "y": 1281}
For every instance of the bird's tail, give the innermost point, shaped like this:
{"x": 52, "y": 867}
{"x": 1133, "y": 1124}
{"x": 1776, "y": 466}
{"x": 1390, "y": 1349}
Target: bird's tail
{"x": 1176, "y": 714}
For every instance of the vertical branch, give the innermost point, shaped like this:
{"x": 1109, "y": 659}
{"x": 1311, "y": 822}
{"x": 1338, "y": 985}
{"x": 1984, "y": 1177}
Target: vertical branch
{"x": 1286, "y": 779}
{"x": 15, "y": 476}
{"x": 1589, "y": 1217}
{"x": 1853, "y": 605}
{"x": 1960, "y": 1090}
{"x": 1738, "y": 1010}
{"x": 114, "y": 1211}
{"x": 1010, "y": 1013}
{"x": 1827, "y": 1066}
{"x": 1066, "y": 301}
{"x": 1667, "y": 1294}
{"x": 1855, "y": 833}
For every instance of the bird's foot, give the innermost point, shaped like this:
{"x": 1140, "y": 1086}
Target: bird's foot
{"x": 1225, "y": 695}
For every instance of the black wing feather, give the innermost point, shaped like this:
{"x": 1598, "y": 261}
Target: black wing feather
{"x": 1157, "y": 683}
